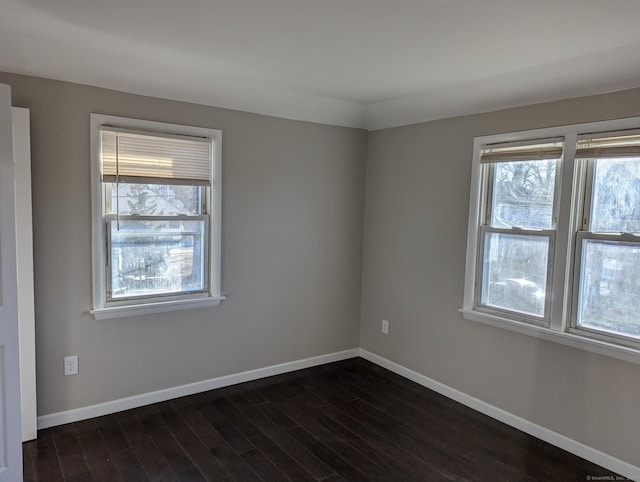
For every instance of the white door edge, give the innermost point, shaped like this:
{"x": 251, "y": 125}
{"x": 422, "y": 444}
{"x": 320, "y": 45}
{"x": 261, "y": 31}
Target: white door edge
{"x": 24, "y": 258}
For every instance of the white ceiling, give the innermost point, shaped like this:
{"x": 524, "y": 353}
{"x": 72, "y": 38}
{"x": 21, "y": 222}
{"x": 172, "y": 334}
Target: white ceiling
{"x": 361, "y": 63}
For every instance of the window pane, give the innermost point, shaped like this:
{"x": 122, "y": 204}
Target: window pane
{"x": 523, "y": 194}
{"x": 154, "y": 199}
{"x": 157, "y": 257}
{"x": 609, "y": 298}
{"x": 616, "y": 196}
{"x": 515, "y": 272}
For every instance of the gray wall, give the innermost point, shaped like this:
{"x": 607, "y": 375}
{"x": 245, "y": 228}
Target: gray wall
{"x": 293, "y": 203}
{"x": 293, "y": 198}
{"x": 416, "y": 216}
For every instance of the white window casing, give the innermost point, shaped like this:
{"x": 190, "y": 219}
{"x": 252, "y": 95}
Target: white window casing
{"x": 509, "y": 221}
{"x": 147, "y": 153}
{"x": 579, "y": 145}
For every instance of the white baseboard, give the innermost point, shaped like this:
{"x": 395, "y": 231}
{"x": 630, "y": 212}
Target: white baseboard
{"x": 99, "y": 409}
{"x": 600, "y": 458}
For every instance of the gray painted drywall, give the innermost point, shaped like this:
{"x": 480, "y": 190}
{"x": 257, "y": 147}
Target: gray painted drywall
{"x": 292, "y": 235}
{"x": 293, "y": 204}
{"x": 416, "y": 213}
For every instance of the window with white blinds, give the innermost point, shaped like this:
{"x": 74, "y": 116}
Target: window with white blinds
{"x": 153, "y": 158}
{"x": 607, "y": 266}
{"x": 528, "y": 151}
{"x": 156, "y": 221}
{"x": 553, "y": 246}
{"x": 609, "y": 145}
{"x": 518, "y": 231}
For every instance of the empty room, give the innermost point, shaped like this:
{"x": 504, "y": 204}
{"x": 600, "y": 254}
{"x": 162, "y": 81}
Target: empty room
{"x": 319, "y": 240}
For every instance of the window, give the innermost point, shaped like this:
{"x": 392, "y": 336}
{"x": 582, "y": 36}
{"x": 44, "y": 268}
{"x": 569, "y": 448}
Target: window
{"x": 608, "y": 244}
{"x": 156, "y": 216}
{"x": 517, "y": 235}
{"x": 554, "y": 235}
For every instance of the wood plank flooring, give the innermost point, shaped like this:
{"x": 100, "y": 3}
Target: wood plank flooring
{"x": 350, "y": 420}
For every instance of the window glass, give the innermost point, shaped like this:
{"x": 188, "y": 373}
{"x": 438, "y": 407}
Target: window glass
{"x": 157, "y": 257}
{"x": 154, "y": 199}
{"x": 616, "y": 196}
{"x": 609, "y": 297}
{"x": 523, "y": 193}
{"x": 515, "y": 272}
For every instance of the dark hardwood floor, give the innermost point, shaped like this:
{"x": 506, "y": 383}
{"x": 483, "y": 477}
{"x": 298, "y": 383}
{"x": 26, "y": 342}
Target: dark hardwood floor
{"x": 350, "y": 420}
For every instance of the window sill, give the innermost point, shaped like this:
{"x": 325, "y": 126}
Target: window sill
{"x": 151, "y": 308}
{"x": 569, "y": 339}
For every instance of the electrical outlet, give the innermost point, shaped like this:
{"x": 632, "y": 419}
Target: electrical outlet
{"x": 385, "y": 327}
{"x": 71, "y": 365}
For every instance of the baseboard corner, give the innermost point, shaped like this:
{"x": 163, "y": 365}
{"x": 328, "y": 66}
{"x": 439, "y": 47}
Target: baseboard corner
{"x": 573, "y": 446}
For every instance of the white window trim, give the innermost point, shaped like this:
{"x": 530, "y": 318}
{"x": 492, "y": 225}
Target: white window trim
{"x": 569, "y": 217}
{"x": 101, "y": 310}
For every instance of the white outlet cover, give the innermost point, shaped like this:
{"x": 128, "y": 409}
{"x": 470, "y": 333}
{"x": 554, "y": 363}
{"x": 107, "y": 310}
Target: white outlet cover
{"x": 385, "y": 327}
{"x": 71, "y": 365}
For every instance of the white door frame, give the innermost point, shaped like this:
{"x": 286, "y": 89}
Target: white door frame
{"x": 24, "y": 258}
{"x": 10, "y": 420}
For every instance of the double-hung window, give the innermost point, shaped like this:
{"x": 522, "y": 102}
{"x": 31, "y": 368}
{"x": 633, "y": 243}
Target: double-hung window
{"x": 517, "y": 233}
{"x": 607, "y": 269}
{"x": 553, "y": 245}
{"x": 156, "y": 226}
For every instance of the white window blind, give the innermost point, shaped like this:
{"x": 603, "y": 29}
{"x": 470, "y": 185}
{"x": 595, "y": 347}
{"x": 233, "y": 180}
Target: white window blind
{"x": 616, "y": 146}
{"x": 150, "y": 158}
{"x": 528, "y": 152}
